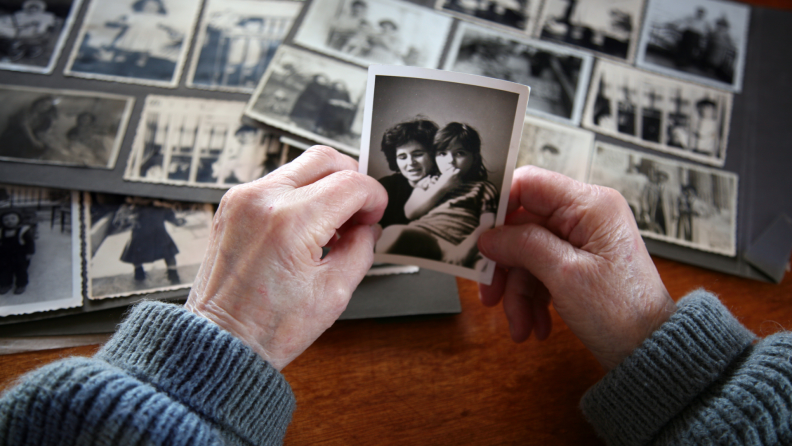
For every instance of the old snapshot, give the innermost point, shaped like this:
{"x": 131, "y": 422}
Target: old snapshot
{"x": 135, "y": 41}
{"x": 375, "y": 32}
{"x": 32, "y": 33}
{"x": 137, "y": 245}
{"x": 660, "y": 113}
{"x": 698, "y": 40}
{"x": 608, "y": 27}
{"x": 558, "y": 76}
{"x": 312, "y": 96}
{"x": 40, "y": 266}
{"x": 199, "y": 143}
{"x": 514, "y": 15}
{"x": 62, "y": 126}
{"x": 444, "y": 146}
{"x": 237, "y": 40}
{"x": 673, "y": 201}
{"x": 556, "y": 147}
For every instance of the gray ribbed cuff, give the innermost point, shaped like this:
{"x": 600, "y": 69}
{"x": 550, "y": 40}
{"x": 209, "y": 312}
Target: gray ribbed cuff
{"x": 205, "y": 368}
{"x": 660, "y": 378}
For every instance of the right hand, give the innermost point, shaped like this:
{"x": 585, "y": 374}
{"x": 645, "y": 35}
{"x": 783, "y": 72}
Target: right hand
{"x": 577, "y": 246}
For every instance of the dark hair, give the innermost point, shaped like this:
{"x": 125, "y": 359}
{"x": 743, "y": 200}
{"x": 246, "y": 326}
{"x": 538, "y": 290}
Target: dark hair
{"x": 140, "y": 4}
{"x": 245, "y": 129}
{"x": 359, "y": 2}
{"x": 469, "y": 139}
{"x": 11, "y": 211}
{"x": 419, "y": 130}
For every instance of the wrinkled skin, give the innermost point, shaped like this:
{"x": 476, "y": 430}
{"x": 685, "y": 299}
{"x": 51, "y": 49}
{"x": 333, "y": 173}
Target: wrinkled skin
{"x": 577, "y": 246}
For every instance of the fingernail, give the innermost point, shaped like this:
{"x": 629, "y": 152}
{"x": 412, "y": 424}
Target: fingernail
{"x": 376, "y": 229}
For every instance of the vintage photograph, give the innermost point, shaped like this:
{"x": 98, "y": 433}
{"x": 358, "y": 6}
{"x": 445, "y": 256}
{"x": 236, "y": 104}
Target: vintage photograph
{"x": 312, "y": 96}
{"x": 444, "y": 147}
{"x": 375, "y": 32}
{"x": 698, "y": 40}
{"x": 556, "y": 147}
{"x": 137, "y": 245}
{"x": 236, "y": 42}
{"x": 62, "y": 126}
{"x": 40, "y": 266}
{"x": 558, "y": 76}
{"x": 673, "y": 201}
{"x": 660, "y": 113}
{"x": 607, "y": 27}
{"x": 134, "y": 41}
{"x": 33, "y": 32}
{"x": 519, "y": 15}
{"x": 199, "y": 143}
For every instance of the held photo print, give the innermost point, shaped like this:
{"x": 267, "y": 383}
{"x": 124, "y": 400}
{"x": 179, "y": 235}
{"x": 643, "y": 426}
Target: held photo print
{"x": 62, "y": 126}
{"x": 556, "y": 147}
{"x": 697, "y": 40}
{"x": 237, "y": 40}
{"x": 672, "y": 116}
{"x": 40, "y": 262}
{"x": 673, "y": 201}
{"x": 137, "y": 245}
{"x": 514, "y": 15}
{"x": 33, "y": 32}
{"x": 558, "y": 76}
{"x": 134, "y": 41}
{"x": 443, "y": 145}
{"x": 375, "y": 32}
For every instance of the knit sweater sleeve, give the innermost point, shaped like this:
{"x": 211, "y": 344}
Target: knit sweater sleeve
{"x": 166, "y": 377}
{"x": 699, "y": 379}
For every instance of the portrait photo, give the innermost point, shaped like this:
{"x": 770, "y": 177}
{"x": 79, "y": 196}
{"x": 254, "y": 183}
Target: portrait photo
{"x": 556, "y": 147}
{"x": 516, "y": 15}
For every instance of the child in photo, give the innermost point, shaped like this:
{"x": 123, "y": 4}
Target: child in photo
{"x": 17, "y": 246}
{"x": 144, "y": 34}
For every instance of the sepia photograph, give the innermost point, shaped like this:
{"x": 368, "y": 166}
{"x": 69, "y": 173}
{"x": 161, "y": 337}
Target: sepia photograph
{"x": 516, "y": 15}
{"x": 556, "y": 147}
{"x": 134, "y": 41}
{"x": 199, "y": 143}
{"x": 40, "y": 265}
{"x": 697, "y": 40}
{"x": 137, "y": 245}
{"x": 375, "y": 32}
{"x": 444, "y": 146}
{"x": 62, "y": 126}
{"x": 33, "y": 32}
{"x": 558, "y": 76}
{"x": 608, "y": 27}
{"x": 236, "y": 42}
{"x": 312, "y": 96}
{"x": 673, "y": 201}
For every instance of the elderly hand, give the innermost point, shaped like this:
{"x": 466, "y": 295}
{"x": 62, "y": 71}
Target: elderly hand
{"x": 577, "y": 246}
{"x": 263, "y": 277}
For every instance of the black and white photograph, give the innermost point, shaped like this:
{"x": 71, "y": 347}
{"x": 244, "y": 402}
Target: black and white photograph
{"x": 608, "y": 27}
{"x": 444, "y": 146}
{"x": 33, "y": 32}
{"x": 556, "y": 147}
{"x": 315, "y": 97}
{"x": 671, "y": 200}
{"x": 236, "y": 42}
{"x": 199, "y": 143}
{"x": 40, "y": 265}
{"x": 515, "y": 15}
{"x": 134, "y": 41}
{"x": 375, "y": 32}
{"x": 697, "y": 40}
{"x": 137, "y": 245}
{"x": 558, "y": 76}
{"x": 62, "y": 126}
{"x": 660, "y": 113}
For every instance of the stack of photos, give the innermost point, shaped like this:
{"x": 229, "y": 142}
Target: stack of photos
{"x": 32, "y": 33}
{"x": 62, "y": 126}
{"x": 560, "y": 148}
{"x": 514, "y": 15}
{"x": 199, "y": 143}
{"x": 444, "y": 146}
{"x": 237, "y": 40}
{"x": 698, "y": 40}
{"x": 673, "y": 201}
{"x": 40, "y": 265}
{"x": 557, "y": 75}
{"x": 138, "y": 245}
{"x": 668, "y": 115}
